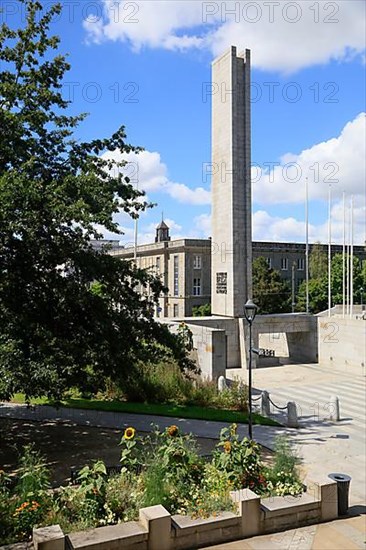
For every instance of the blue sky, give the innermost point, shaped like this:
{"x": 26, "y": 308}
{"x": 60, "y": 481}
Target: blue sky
{"x": 146, "y": 64}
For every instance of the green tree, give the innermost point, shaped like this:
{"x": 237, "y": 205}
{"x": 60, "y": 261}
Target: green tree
{"x": 318, "y": 286}
{"x": 270, "y": 292}
{"x": 55, "y": 325}
{"x": 318, "y": 261}
{"x": 201, "y": 311}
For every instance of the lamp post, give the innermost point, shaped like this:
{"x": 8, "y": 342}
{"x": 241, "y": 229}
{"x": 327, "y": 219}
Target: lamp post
{"x": 250, "y": 310}
{"x": 361, "y": 291}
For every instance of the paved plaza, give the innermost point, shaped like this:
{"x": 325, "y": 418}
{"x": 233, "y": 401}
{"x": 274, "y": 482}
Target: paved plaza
{"x": 325, "y": 446}
{"x": 342, "y": 534}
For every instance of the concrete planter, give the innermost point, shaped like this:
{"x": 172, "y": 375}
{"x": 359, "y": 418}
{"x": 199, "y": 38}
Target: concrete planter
{"x": 157, "y": 529}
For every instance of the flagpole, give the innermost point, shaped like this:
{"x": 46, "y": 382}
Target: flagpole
{"x": 329, "y": 249}
{"x": 307, "y": 242}
{"x": 344, "y": 258}
{"x": 348, "y": 262}
{"x": 351, "y": 261}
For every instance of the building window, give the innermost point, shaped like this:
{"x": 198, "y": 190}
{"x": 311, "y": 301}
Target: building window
{"x": 158, "y": 264}
{"x": 175, "y": 310}
{"x": 197, "y": 287}
{"x": 284, "y": 264}
{"x": 269, "y": 262}
{"x": 176, "y": 275}
{"x": 300, "y": 264}
{"x": 197, "y": 262}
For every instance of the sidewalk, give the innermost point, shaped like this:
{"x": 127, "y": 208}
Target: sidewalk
{"x": 342, "y": 534}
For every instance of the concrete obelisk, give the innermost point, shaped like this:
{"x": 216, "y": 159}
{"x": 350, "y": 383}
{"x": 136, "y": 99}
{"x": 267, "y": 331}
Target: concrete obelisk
{"x": 231, "y": 261}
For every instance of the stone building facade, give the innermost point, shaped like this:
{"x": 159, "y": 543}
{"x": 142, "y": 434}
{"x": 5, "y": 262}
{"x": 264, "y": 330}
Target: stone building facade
{"x": 184, "y": 266}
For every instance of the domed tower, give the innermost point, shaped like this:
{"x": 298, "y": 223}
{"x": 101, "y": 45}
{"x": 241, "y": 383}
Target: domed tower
{"x": 162, "y": 232}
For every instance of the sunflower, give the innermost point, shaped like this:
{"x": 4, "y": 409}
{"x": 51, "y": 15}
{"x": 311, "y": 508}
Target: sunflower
{"x": 227, "y": 446}
{"x": 129, "y": 433}
{"x": 173, "y": 430}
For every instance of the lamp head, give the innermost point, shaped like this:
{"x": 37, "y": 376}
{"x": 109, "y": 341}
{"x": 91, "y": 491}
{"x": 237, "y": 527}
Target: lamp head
{"x": 250, "y": 311}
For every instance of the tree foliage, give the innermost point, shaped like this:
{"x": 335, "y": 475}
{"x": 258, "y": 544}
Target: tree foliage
{"x": 318, "y": 285}
{"x": 318, "y": 261}
{"x": 201, "y": 311}
{"x": 270, "y": 292}
{"x": 55, "y": 326}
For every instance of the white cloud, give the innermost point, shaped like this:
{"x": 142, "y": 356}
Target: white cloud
{"x": 317, "y": 32}
{"x": 346, "y": 152}
{"x": 339, "y": 161}
{"x": 278, "y": 229}
{"x": 147, "y": 172}
{"x": 202, "y": 224}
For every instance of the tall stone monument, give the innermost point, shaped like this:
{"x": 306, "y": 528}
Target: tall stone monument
{"x": 231, "y": 261}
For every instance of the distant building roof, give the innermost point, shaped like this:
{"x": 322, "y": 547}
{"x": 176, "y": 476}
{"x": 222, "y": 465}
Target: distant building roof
{"x": 162, "y": 225}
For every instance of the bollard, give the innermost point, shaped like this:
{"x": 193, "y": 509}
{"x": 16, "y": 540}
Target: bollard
{"x": 292, "y": 419}
{"x": 334, "y": 413}
{"x": 265, "y": 405}
{"x": 221, "y": 383}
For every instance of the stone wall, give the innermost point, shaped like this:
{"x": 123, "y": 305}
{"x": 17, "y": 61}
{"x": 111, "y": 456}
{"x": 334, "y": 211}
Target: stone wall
{"x": 158, "y": 530}
{"x": 209, "y": 347}
{"x": 342, "y": 343}
{"x": 221, "y": 343}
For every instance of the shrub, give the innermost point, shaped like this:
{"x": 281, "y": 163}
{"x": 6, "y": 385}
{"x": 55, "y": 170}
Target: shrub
{"x": 165, "y": 383}
{"x": 161, "y": 383}
{"x": 235, "y": 397}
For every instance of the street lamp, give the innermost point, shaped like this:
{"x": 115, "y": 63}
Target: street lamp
{"x": 250, "y": 310}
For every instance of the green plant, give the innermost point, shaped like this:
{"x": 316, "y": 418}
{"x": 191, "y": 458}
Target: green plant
{"x": 240, "y": 459}
{"x": 186, "y": 336}
{"x": 7, "y": 508}
{"x": 178, "y": 456}
{"x": 93, "y": 479}
{"x": 201, "y": 311}
{"x": 235, "y": 397}
{"x": 84, "y": 505}
{"x": 172, "y": 469}
{"x": 26, "y": 516}
{"x": 122, "y": 498}
{"x": 214, "y": 494}
{"x": 283, "y": 477}
{"x": 131, "y": 456}
{"x": 157, "y": 488}
{"x": 33, "y": 474}
{"x": 26, "y": 504}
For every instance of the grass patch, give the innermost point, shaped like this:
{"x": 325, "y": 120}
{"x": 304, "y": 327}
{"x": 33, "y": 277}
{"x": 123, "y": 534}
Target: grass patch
{"x": 159, "y": 409}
